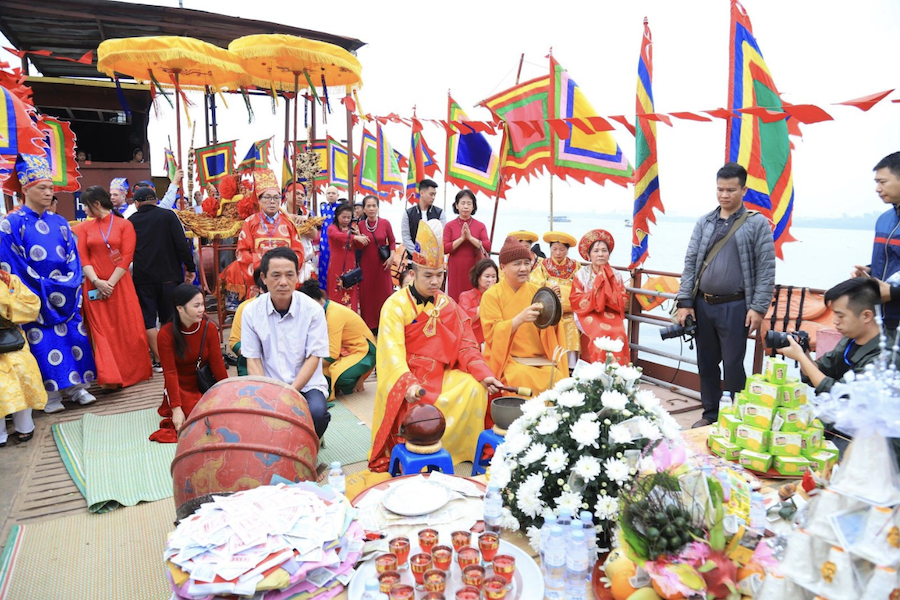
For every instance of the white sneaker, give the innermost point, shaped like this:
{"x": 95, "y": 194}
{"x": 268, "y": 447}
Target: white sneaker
{"x": 83, "y": 397}
{"x": 54, "y": 405}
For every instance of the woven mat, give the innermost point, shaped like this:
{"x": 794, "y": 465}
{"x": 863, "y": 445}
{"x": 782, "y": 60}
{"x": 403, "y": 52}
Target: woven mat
{"x": 118, "y": 555}
{"x": 111, "y": 460}
{"x": 347, "y": 439}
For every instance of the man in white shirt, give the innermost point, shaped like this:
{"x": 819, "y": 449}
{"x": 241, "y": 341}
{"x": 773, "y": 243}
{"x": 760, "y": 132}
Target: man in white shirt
{"x": 284, "y": 334}
{"x": 424, "y": 211}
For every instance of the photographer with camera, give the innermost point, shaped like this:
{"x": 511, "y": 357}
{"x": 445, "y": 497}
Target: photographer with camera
{"x": 853, "y": 302}
{"x": 726, "y": 287}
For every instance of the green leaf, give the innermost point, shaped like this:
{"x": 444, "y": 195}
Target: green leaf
{"x": 707, "y": 567}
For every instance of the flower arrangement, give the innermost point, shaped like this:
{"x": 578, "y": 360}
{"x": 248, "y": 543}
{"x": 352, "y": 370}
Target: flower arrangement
{"x": 578, "y": 444}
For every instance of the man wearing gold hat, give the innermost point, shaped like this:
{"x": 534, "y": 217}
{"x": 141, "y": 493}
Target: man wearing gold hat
{"x": 425, "y": 342}
{"x": 520, "y": 353}
{"x": 558, "y": 272}
{"x": 269, "y": 228}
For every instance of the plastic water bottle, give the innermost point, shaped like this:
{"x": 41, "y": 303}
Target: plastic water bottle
{"x": 549, "y": 522}
{"x": 554, "y": 565}
{"x": 576, "y": 567}
{"x": 726, "y": 406}
{"x": 565, "y": 517}
{"x": 336, "y": 478}
{"x": 757, "y": 512}
{"x": 590, "y": 537}
{"x": 372, "y": 590}
{"x": 574, "y": 525}
{"x": 493, "y": 509}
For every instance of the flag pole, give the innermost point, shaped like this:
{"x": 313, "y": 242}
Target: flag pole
{"x": 294, "y": 153}
{"x": 447, "y": 153}
{"x": 500, "y": 183}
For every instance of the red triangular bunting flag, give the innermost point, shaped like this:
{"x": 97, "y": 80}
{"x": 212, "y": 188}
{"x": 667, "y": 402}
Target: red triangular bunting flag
{"x": 600, "y": 124}
{"x": 624, "y": 121}
{"x": 807, "y": 113}
{"x": 581, "y": 125}
{"x": 689, "y": 116}
{"x": 867, "y": 102}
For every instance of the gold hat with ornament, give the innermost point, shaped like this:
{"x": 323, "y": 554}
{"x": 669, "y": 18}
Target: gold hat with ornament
{"x": 429, "y": 245}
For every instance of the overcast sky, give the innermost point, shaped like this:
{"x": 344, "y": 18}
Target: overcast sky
{"x": 820, "y": 53}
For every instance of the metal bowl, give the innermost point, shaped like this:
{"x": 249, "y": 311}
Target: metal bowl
{"x": 505, "y": 410}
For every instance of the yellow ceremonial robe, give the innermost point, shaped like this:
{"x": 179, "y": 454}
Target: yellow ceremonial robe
{"x": 562, "y": 275}
{"x": 499, "y": 305}
{"x": 21, "y": 384}
{"x": 349, "y": 342}
{"x": 452, "y": 351}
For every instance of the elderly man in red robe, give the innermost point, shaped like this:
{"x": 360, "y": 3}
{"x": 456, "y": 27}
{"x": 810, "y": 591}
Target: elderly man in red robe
{"x": 425, "y": 342}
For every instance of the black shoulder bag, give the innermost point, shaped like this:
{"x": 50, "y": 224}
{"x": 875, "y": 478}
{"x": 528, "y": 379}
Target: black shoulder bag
{"x": 205, "y": 377}
{"x": 353, "y": 276}
{"x": 11, "y": 339}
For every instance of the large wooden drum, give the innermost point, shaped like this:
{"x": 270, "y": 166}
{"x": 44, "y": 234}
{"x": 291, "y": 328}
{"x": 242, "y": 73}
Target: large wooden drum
{"x": 241, "y": 433}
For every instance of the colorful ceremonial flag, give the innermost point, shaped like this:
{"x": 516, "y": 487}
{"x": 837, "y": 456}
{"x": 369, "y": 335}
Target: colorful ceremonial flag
{"x": 527, "y": 147}
{"x": 762, "y": 148}
{"x": 338, "y": 173}
{"x": 471, "y": 162}
{"x": 367, "y": 167}
{"x": 60, "y": 152}
{"x": 390, "y": 177}
{"x": 257, "y": 156}
{"x": 214, "y": 162}
{"x": 171, "y": 165}
{"x": 421, "y": 164}
{"x": 18, "y": 133}
{"x": 287, "y": 176}
{"x": 646, "y": 173}
{"x": 595, "y": 156}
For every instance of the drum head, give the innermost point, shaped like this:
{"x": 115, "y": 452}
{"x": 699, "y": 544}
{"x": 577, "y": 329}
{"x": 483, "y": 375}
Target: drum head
{"x": 551, "y": 312}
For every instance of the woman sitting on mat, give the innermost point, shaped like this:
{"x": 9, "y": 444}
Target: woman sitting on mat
{"x": 189, "y": 336}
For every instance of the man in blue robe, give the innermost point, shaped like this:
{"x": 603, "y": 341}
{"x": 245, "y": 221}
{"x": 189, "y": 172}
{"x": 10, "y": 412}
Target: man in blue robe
{"x": 39, "y": 247}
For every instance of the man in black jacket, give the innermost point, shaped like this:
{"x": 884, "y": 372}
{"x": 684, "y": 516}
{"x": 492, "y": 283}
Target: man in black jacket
{"x": 425, "y": 210}
{"x": 160, "y": 251}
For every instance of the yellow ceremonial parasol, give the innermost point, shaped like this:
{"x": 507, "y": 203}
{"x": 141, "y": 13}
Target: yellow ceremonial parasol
{"x": 278, "y": 62}
{"x": 178, "y": 61}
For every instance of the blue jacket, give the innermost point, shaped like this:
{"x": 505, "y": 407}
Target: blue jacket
{"x": 886, "y": 256}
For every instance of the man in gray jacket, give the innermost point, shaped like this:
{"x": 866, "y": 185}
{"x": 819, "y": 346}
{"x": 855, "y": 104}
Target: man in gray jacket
{"x": 735, "y": 288}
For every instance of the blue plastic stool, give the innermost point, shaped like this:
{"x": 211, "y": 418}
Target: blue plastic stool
{"x": 488, "y": 437}
{"x": 404, "y": 462}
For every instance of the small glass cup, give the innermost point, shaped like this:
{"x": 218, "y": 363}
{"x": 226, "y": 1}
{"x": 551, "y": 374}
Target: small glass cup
{"x": 428, "y": 539}
{"x": 461, "y": 539}
{"x": 494, "y": 588}
{"x": 505, "y": 567}
{"x": 386, "y": 562}
{"x": 435, "y": 580}
{"x": 419, "y": 563}
{"x": 467, "y": 556}
{"x": 468, "y": 593}
{"x": 400, "y": 547}
{"x": 442, "y": 556}
{"x": 473, "y": 575}
{"x": 488, "y": 543}
{"x": 387, "y": 580}
{"x": 434, "y": 596}
{"x": 402, "y": 591}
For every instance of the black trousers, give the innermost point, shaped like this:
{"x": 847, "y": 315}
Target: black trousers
{"x": 318, "y": 410}
{"x": 721, "y": 338}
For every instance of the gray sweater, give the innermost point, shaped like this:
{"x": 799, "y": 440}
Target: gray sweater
{"x": 757, "y": 251}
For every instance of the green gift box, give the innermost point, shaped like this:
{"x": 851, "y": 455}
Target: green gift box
{"x": 727, "y": 426}
{"x": 751, "y": 438}
{"x": 775, "y": 369}
{"x": 791, "y": 465}
{"x": 792, "y": 395}
{"x": 763, "y": 393}
{"x": 821, "y": 460}
{"x": 790, "y": 419}
{"x": 811, "y": 442}
{"x": 723, "y": 448}
{"x": 757, "y": 415}
{"x": 829, "y": 447}
{"x": 757, "y": 461}
{"x": 786, "y": 444}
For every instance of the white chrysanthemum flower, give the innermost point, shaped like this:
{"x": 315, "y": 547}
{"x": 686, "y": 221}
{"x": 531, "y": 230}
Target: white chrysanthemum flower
{"x": 556, "y": 460}
{"x": 587, "y": 467}
{"x": 585, "y": 432}
{"x": 592, "y": 371}
{"x": 648, "y": 430}
{"x": 534, "y": 408}
{"x": 508, "y": 521}
{"x": 569, "y": 500}
{"x": 608, "y": 344}
{"x": 619, "y": 434}
{"x": 614, "y": 400}
{"x": 516, "y": 443}
{"x": 617, "y": 469}
{"x": 566, "y": 384}
{"x": 517, "y": 427}
{"x": 571, "y": 399}
{"x": 548, "y": 424}
{"x": 628, "y": 374}
{"x": 532, "y": 485}
{"x": 646, "y": 400}
{"x": 606, "y": 508}
{"x": 669, "y": 427}
{"x": 535, "y": 453}
{"x": 534, "y": 537}
{"x": 501, "y": 473}
{"x": 530, "y": 504}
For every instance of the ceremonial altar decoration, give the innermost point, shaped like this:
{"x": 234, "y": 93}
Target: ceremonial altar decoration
{"x": 577, "y": 445}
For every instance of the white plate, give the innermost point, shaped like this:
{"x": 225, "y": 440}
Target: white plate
{"x": 528, "y": 583}
{"x": 416, "y": 497}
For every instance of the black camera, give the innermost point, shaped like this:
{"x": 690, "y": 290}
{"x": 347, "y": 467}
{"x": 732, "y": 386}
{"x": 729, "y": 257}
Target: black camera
{"x": 687, "y": 331}
{"x": 781, "y": 339}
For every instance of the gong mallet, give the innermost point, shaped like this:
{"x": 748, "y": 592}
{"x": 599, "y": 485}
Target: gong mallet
{"x": 419, "y": 394}
{"x": 518, "y": 391}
